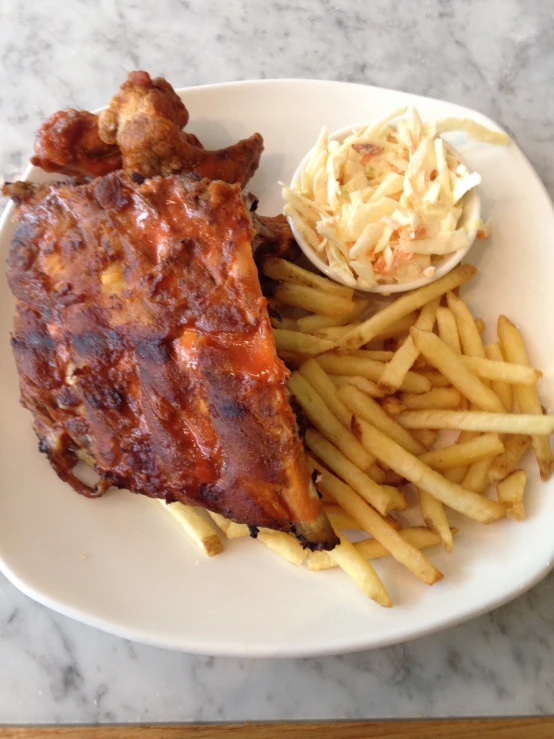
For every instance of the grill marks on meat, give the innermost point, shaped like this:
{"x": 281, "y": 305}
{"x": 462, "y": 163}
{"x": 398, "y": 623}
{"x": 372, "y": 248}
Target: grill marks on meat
{"x": 142, "y": 339}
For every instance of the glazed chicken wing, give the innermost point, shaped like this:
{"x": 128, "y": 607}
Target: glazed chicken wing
{"x": 68, "y": 142}
{"x": 145, "y": 118}
{"x": 142, "y": 341}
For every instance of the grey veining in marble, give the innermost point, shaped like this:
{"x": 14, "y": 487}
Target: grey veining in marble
{"x": 497, "y": 57}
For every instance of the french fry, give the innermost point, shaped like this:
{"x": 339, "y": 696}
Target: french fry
{"x": 362, "y": 383}
{"x": 398, "y": 328}
{"x": 515, "y": 447}
{"x": 370, "y": 491}
{"x": 502, "y": 389}
{"x": 372, "y": 523}
{"x": 283, "y": 271}
{"x": 418, "y": 536}
{"x": 384, "y": 319}
{"x": 372, "y": 370}
{"x": 489, "y": 369}
{"x": 310, "y": 299}
{"x": 283, "y": 322}
{"x": 422, "y": 476}
{"x": 470, "y": 338}
{"x": 380, "y": 355}
{"x": 392, "y": 405}
{"x": 437, "y": 353}
{"x": 435, "y": 378}
{"x": 292, "y": 359}
{"x": 480, "y": 325}
{"x": 231, "y": 529}
{"x": 326, "y": 423}
{"x": 351, "y": 561}
{"x": 333, "y": 333}
{"x": 197, "y": 527}
{"x": 435, "y": 518}
{"x": 482, "y": 447}
{"x": 398, "y": 367}
{"x": 499, "y": 423}
{"x": 476, "y": 477}
{"x": 322, "y": 384}
{"x": 294, "y": 341}
{"x": 365, "y": 407}
{"x": 309, "y": 324}
{"x": 284, "y": 545}
{"x": 510, "y": 492}
{"x": 527, "y": 398}
{"x": 439, "y": 397}
{"x": 448, "y": 330}
{"x": 426, "y": 436}
{"x": 340, "y": 519}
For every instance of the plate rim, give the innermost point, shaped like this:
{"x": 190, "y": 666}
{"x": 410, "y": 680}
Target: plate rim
{"x": 223, "y": 648}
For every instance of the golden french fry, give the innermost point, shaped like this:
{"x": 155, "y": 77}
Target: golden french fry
{"x": 351, "y": 561}
{"x": 369, "y": 368}
{"x": 448, "y": 330}
{"x": 480, "y": 325}
{"x": 439, "y": 397}
{"x": 322, "y": 384}
{"x": 391, "y": 405}
{"x": 418, "y": 536}
{"x": 294, "y": 341}
{"x": 502, "y": 389}
{"x": 231, "y": 529}
{"x": 422, "y": 476}
{"x": 292, "y": 359}
{"x": 499, "y": 423}
{"x": 365, "y": 407}
{"x": 527, "y": 398}
{"x": 468, "y": 331}
{"x": 435, "y": 518}
{"x": 284, "y": 545}
{"x": 380, "y": 499}
{"x": 426, "y": 436}
{"x": 398, "y": 328}
{"x": 334, "y": 333}
{"x": 451, "y": 365}
{"x": 482, "y": 447}
{"x": 510, "y": 492}
{"x": 489, "y": 369}
{"x": 309, "y": 324}
{"x": 283, "y": 322}
{"x": 340, "y": 519}
{"x": 372, "y": 523}
{"x": 310, "y": 299}
{"x": 326, "y": 423}
{"x": 283, "y": 271}
{"x": 398, "y": 367}
{"x": 362, "y": 383}
{"x": 197, "y": 527}
{"x": 435, "y": 378}
{"x": 515, "y": 447}
{"x": 384, "y": 319}
{"x": 380, "y": 355}
{"x": 477, "y": 476}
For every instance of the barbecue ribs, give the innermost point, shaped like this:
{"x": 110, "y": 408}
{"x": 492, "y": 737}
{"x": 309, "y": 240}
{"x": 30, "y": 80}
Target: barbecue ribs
{"x": 142, "y": 340}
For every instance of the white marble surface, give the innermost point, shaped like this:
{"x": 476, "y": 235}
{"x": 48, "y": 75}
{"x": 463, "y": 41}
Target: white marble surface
{"x": 496, "y": 56}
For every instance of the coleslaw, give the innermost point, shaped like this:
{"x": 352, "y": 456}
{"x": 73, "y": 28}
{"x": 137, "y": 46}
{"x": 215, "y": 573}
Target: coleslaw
{"x": 384, "y": 205}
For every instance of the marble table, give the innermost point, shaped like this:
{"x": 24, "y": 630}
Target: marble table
{"x": 497, "y": 57}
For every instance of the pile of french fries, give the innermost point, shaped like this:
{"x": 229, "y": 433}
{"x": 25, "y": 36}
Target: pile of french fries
{"x": 376, "y": 393}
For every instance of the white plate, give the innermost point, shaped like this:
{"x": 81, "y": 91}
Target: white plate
{"x": 121, "y": 564}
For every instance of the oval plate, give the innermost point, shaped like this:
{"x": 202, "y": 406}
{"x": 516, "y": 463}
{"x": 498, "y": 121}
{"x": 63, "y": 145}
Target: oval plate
{"x": 121, "y": 564}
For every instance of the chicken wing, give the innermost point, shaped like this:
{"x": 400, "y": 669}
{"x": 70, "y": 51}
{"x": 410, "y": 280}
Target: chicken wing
{"x": 68, "y": 142}
{"x": 142, "y": 341}
{"x": 145, "y": 118}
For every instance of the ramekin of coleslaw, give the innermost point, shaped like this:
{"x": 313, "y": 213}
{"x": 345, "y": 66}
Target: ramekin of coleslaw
{"x": 390, "y": 206}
